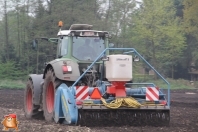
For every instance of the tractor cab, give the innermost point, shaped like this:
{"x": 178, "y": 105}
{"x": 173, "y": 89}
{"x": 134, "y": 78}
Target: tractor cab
{"x": 81, "y": 44}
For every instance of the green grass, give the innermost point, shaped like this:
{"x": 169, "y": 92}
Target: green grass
{"x": 174, "y": 84}
{"x": 12, "y": 84}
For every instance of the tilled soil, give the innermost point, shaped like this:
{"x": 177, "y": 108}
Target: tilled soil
{"x": 184, "y": 115}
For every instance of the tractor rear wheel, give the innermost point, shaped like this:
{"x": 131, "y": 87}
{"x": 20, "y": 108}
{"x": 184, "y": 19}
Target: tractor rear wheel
{"x": 30, "y": 109}
{"x": 49, "y": 89}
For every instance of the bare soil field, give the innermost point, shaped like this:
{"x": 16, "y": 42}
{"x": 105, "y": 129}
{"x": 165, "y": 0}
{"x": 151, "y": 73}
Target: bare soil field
{"x": 184, "y": 115}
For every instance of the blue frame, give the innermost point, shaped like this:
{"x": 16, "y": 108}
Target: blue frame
{"x": 132, "y": 51}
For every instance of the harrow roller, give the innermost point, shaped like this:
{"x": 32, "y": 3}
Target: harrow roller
{"x": 123, "y": 117}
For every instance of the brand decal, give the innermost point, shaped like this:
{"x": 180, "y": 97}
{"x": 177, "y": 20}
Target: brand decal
{"x": 122, "y": 59}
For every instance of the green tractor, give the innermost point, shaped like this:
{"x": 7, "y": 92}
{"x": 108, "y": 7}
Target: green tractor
{"x": 77, "y": 48}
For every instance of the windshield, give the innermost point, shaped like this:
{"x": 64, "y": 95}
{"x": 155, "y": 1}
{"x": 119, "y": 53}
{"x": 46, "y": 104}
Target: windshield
{"x": 87, "y": 48}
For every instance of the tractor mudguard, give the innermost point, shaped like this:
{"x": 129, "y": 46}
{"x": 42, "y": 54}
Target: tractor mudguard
{"x": 37, "y": 80}
{"x": 57, "y": 67}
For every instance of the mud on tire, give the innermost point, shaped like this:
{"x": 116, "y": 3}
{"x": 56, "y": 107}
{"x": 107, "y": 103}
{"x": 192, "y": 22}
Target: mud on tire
{"x": 30, "y": 109}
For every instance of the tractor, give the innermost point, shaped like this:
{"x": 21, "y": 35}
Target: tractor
{"x": 86, "y": 85}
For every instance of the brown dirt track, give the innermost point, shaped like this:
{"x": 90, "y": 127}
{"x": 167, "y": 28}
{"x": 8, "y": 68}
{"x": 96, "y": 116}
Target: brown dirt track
{"x": 184, "y": 115}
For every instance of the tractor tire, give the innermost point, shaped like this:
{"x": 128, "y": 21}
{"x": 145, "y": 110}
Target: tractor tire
{"x": 49, "y": 88}
{"x": 31, "y": 110}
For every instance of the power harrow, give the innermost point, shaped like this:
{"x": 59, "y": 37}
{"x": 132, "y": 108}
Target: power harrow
{"x": 113, "y": 102}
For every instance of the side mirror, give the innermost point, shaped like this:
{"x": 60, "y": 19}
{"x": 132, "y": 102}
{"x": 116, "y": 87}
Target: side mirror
{"x": 53, "y": 40}
{"x": 136, "y": 58}
{"x": 111, "y": 45}
{"x": 35, "y": 44}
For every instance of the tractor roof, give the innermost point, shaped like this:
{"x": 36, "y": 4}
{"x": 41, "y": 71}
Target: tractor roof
{"x": 79, "y": 29}
{"x": 67, "y": 32}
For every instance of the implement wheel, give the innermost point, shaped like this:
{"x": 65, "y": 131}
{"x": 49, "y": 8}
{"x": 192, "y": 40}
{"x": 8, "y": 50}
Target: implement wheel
{"x": 30, "y": 109}
{"x": 49, "y": 89}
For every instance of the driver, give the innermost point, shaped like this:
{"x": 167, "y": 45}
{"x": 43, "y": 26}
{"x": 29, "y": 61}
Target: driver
{"x": 86, "y": 50}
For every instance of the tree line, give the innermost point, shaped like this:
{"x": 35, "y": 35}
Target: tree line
{"x": 165, "y": 32}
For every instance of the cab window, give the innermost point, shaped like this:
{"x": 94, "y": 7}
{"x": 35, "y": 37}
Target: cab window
{"x": 64, "y": 46}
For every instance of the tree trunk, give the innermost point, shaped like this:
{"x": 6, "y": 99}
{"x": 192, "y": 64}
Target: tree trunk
{"x": 154, "y": 58}
{"x": 6, "y": 31}
{"x": 37, "y": 59}
{"x": 172, "y": 71}
{"x": 28, "y": 59}
{"x": 107, "y": 16}
{"x": 18, "y": 32}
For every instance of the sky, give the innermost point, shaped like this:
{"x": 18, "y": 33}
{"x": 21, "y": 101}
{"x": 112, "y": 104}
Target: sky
{"x": 11, "y": 6}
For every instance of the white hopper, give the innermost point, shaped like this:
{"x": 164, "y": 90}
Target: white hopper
{"x": 119, "y": 68}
